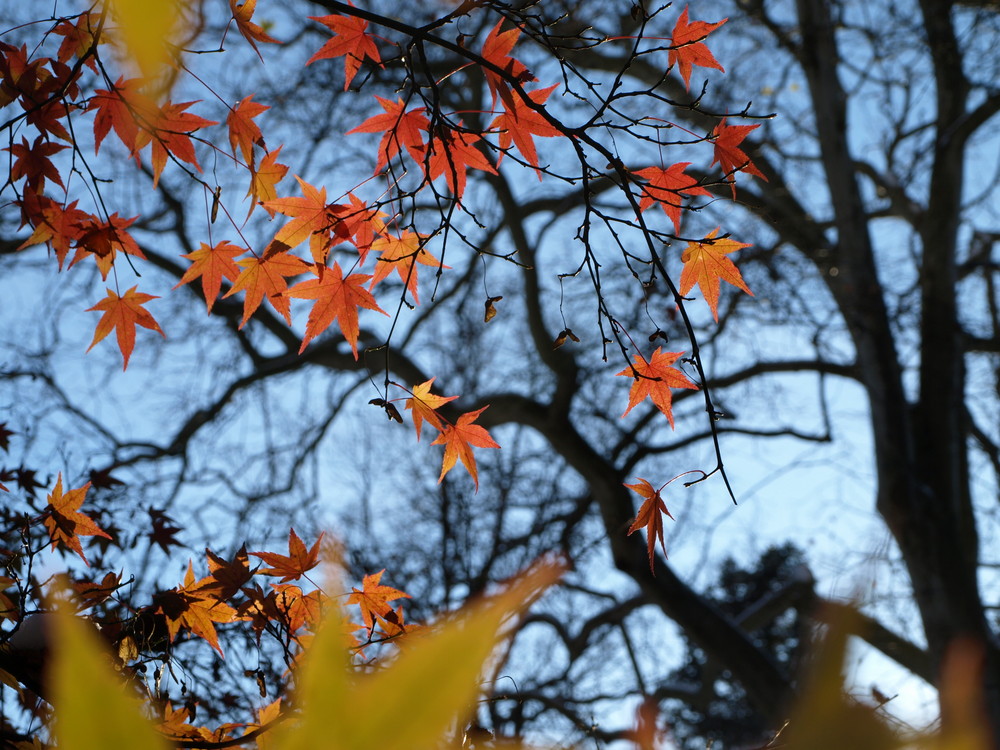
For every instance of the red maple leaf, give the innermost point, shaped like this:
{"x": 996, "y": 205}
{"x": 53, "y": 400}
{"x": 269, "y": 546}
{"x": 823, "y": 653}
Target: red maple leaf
{"x": 496, "y": 49}
{"x": 251, "y": 31}
{"x": 425, "y": 405}
{"x": 243, "y": 131}
{"x": 705, "y": 263}
{"x": 103, "y": 240}
{"x": 373, "y": 599}
{"x": 450, "y": 153}
{"x": 265, "y": 276}
{"x": 167, "y": 132}
{"x": 33, "y": 163}
{"x": 119, "y": 107}
{"x": 458, "y": 440}
{"x": 296, "y": 563}
{"x": 666, "y": 187}
{"x": 64, "y": 521}
{"x": 650, "y": 516}
{"x": 211, "y": 264}
{"x": 350, "y": 40}
{"x": 687, "y": 48}
{"x": 400, "y": 128}
{"x": 519, "y": 123}
{"x": 654, "y": 379}
{"x": 728, "y": 153}
{"x": 337, "y": 299}
{"x": 123, "y": 314}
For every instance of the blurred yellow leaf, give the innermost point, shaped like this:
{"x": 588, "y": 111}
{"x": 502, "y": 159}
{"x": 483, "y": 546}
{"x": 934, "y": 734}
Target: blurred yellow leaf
{"x": 144, "y": 26}
{"x": 414, "y": 702}
{"x": 93, "y": 707}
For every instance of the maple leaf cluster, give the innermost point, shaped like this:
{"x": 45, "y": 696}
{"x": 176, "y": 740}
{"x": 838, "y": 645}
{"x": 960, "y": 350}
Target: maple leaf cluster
{"x": 357, "y": 247}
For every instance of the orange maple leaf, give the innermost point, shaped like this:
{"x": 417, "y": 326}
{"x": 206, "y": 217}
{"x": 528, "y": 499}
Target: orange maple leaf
{"x": 250, "y": 30}
{"x": 124, "y": 314}
{"x": 519, "y": 123}
{"x": 211, "y": 264}
{"x": 654, "y": 379}
{"x": 373, "y": 599}
{"x": 188, "y": 606}
{"x": 424, "y": 405}
{"x": 265, "y": 276}
{"x": 458, "y": 440}
{"x": 312, "y": 218}
{"x": 296, "y": 563}
{"x": 666, "y": 187}
{"x": 729, "y": 155}
{"x": 496, "y": 49}
{"x": 401, "y": 253}
{"x": 451, "y": 153}
{"x": 56, "y": 225}
{"x": 705, "y": 263}
{"x": 401, "y": 129}
{"x": 687, "y": 48}
{"x": 650, "y": 516}
{"x": 263, "y": 179}
{"x": 337, "y": 299}
{"x": 243, "y": 131}
{"x": 350, "y": 40}
{"x": 64, "y": 521}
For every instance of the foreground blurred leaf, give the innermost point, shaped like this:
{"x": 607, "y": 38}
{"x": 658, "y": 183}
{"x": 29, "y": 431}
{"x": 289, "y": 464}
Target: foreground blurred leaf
{"x": 415, "y": 701}
{"x": 93, "y": 707}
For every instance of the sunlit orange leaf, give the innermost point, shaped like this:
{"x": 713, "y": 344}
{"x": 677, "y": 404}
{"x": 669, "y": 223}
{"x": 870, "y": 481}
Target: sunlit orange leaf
{"x": 251, "y": 31}
{"x": 123, "y": 314}
{"x": 296, "y": 563}
{"x": 650, "y": 516}
{"x": 373, "y": 599}
{"x": 243, "y": 131}
{"x": 458, "y": 440}
{"x": 350, "y": 41}
{"x": 705, "y": 264}
{"x": 211, "y": 265}
{"x": 263, "y": 180}
{"x": 654, "y": 379}
{"x": 424, "y": 405}
{"x": 401, "y": 253}
{"x": 265, "y": 276}
{"x": 687, "y": 48}
{"x": 64, "y": 521}
{"x": 189, "y": 607}
{"x": 336, "y": 298}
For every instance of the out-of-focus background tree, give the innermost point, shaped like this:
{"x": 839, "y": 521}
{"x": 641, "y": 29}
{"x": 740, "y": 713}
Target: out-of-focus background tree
{"x": 858, "y": 391}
